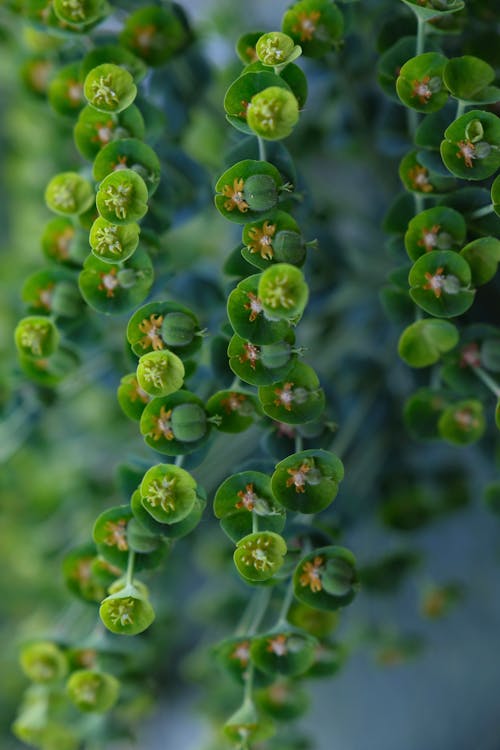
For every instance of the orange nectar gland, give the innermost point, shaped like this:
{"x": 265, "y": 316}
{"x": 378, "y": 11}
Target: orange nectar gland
{"x": 151, "y": 328}
{"x": 120, "y": 611}
{"x": 143, "y": 36}
{"x": 116, "y": 534}
{"x": 298, "y": 477}
{"x": 429, "y": 238}
{"x": 257, "y": 553}
{"x": 120, "y": 164}
{"x": 234, "y": 196}
{"x": 243, "y": 112}
{"x": 233, "y": 402}
{"x": 103, "y": 132}
{"x": 277, "y": 645}
{"x": 311, "y": 575}
{"x": 251, "y": 354}
{"x": 260, "y": 240}
{"x": 306, "y": 24}
{"x": 467, "y": 152}
{"x": 162, "y": 493}
{"x": 248, "y": 498}
{"x": 242, "y": 653}
{"x": 419, "y": 178}
{"x": 435, "y": 282}
{"x": 137, "y": 393}
{"x": 421, "y": 90}
{"x": 109, "y": 282}
{"x": 285, "y": 396}
{"x": 254, "y": 305}
{"x": 163, "y": 426}
{"x": 469, "y": 356}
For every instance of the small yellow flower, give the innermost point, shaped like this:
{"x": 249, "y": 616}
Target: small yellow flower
{"x": 151, "y": 328}
{"x": 306, "y": 24}
{"x": 116, "y": 534}
{"x": 235, "y": 197}
{"x": 298, "y": 477}
{"x": 435, "y": 282}
{"x": 260, "y": 240}
{"x": 310, "y": 575}
{"x": 163, "y": 427}
{"x": 467, "y": 152}
{"x": 419, "y": 178}
{"x": 429, "y": 238}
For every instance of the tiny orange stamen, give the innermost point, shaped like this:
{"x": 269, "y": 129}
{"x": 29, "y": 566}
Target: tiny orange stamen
{"x": 467, "y": 152}
{"x": 277, "y": 645}
{"x": 247, "y": 498}
{"x": 162, "y": 427}
{"x": 260, "y": 240}
{"x": 242, "y": 653}
{"x": 117, "y": 534}
{"x": 233, "y": 402}
{"x": 419, "y": 178}
{"x": 137, "y": 393}
{"x": 44, "y": 296}
{"x": 251, "y": 354}
{"x": 285, "y": 396}
{"x": 298, "y": 477}
{"x": 109, "y": 282}
{"x": 151, "y": 328}
{"x": 235, "y": 197}
{"x": 435, "y": 282}
{"x": 306, "y": 24}
{"x": 429, "y": 238}
{"x": 254, "y": 305}
{"x": 311, "y": 574}
{"x": 421, "y": 90}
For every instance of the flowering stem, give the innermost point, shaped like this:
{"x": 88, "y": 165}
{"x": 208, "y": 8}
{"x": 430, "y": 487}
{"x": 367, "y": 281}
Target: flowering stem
{"x": 282, "y": 621}
{"x": 261, "y": 602}
{"x": 130, "y": 567}
{"x": 487, "y": 380}
{"x": 255, "y": 522}
{"x": 460, "y": 109}
{"x": 421, "y": 29}
{"x": 262, "y": 149}
{"x": 483, "y": 211}
{"x": 298, "y": 443}
{"x": 179, "y": 460}
{"x": 419, "y": 203}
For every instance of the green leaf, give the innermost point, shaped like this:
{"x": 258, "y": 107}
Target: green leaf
{"x": 423, "y": 342}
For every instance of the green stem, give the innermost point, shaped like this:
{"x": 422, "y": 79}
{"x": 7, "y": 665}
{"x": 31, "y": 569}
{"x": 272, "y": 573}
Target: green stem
{"x": 282, "y": 621}
{"x": 487, "y": 380}
{"x": 262, "y": 149}
{"x": 460, "y": 109}
{"x": 412, "y": 122}
{"x": 298, "y": 443}
{"x": 179, "y": 460}
{"x": 484, "y": 211}
{"x": 130, "y": 567}
{"x": 255, "y": 522}
{"x": 261, "y": 603}
{"x": 419, "y": 202}
{"x": 247, "y": 695}
{"x": 421, "y": 29}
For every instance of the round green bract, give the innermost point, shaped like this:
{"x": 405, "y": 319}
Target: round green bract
{"x": 93, "y": 691}
{"x": 164, "y": 324}
{"x": 160, "y": 426}
{"x": 36, "y": 337}
{"x": 423, "y": 342}
{"x": 438, "y": 228}
{"x": 79, "y": 12}
{"x": 94, "y": 130}
{"x": 77, "y": 572}
{"x": 69, "y": 194}
{"x": 483, "y": 257}
{"x": 116, "y": 54}
{"x": 288, "y": 652}
{"x": 297, "y": 400}
{"x": 440, "y": 284}
{"x": 116, "y": 288}
{"x": 283, "y": 292}
{"x": 232, "y": 185}
{"x": 462, "y": 423}
{"x": 471, "y": 145}
{"x": 253, "y": 370}
{"x": 130, "y": 153}
{"x": 160, "y": 373}
{"x": 422, "y": 412}
{"x": 66, "y": 91}
{"x": 467, "y": 76}
{"x": 234, "y": 411}
{"x": 420, "y": 83}
{"x": 43, "y": 662}
{"x": 127, "y": 612}
{"x": 156, "y": 34}
{"x": 109, "y": 88}
{"x": 307, "y": 482}
{"x": 259, "y": 556}
{"x": 274, "y": 48}
{"x": 417, "y": 178}
{"x": 168, "y": 493}
{"x": 122, "y": 197}
{"x": 272, "y": 113}
{"x": 113, "y": 242}
{"x": 243, "y": 304}
{"x": 241, "y": 91}
{"x": 312, "y": 573}
{"x": 325, "y": 28}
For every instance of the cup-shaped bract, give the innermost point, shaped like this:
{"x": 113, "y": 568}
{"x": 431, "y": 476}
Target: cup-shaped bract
{"x": 326, "y": 578}
{"x": 440, "y": 284}
{"x": 36, "y": 337}
{"x": 168, "y": 493}
{"x": 127, "y": 611}
{"x": 69, "y": 194}
{"x": 43, "y": 662}
{"x": 93, "y": 691}
{"x": 283, "y": 292}
{"x": 259, "y": 556}
{"x": 462, "y": 423}
{"x": 122, "y": 197}
{"x": 109, "y": 88}
{"x": 307, "y": 481}
{"x": 160, "y": 373}
{"x": 273, "y": 113}
{"x": 420, "y": 82}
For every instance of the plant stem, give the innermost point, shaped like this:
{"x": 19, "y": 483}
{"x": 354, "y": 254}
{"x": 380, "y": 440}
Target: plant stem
{"x": 261, "y": 602}
{"x": 262, "y": 148}
{"x": 130, "y": 567}
{"x": 255, "y": 522}
{"x": 484, "y": 211}
{"x": 298, "y": 443}
{"x": 460, "y": 108}
{"x": 421, "y": 29}
{"x": 419, "y": 202}
{"x": 285, "y": 606}
{"x": 487, "y": 380}
{"x": 179, "y": 460}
